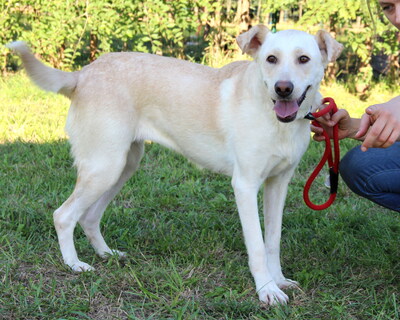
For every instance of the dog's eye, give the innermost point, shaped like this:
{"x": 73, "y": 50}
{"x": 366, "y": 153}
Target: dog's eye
{"x": 304, "y": 59}
{"x": 272, "y": 59}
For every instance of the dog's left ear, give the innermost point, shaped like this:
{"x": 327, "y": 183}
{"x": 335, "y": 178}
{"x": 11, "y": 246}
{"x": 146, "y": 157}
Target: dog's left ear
{"x": 330, "y": 48}
{"x": 251, "y": 41}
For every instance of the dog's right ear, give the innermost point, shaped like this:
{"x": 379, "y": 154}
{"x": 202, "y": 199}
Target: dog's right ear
{"x": 251, "y": 41}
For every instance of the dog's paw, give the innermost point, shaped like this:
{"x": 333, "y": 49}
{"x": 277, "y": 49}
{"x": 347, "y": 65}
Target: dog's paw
{"x": 81, "y": 267}
{"x": 287, "y": 284}
{"x": 119, "y": 254}
{"x": 272, "y": 295}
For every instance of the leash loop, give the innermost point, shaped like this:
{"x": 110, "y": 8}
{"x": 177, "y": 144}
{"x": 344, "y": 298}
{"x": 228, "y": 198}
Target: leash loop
{"x": 333, "y": 162}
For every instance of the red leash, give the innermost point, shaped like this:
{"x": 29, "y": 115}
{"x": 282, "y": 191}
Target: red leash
{"x": 327, "y": 157}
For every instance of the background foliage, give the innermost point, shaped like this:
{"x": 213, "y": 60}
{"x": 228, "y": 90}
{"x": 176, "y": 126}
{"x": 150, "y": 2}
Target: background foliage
{"x": 71, "y": 33}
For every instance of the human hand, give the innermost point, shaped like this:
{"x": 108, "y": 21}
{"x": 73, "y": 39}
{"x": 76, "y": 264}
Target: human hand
{"x": 380, "y": 125}
{"x": 346, "y": 126}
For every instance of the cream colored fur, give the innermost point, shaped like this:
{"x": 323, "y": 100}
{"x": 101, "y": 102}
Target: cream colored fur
{"x": 221, "y": 119}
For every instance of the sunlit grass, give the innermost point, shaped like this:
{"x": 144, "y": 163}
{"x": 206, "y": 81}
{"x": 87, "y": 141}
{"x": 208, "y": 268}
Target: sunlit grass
{"x": 356, "y": 107}
{"x": 30, "y": 114}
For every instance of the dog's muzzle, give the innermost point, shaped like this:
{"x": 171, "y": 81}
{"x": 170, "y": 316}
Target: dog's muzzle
{"x": 286, "y": 110}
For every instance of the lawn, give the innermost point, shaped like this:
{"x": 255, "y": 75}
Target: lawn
{"x": 179, "y": 225}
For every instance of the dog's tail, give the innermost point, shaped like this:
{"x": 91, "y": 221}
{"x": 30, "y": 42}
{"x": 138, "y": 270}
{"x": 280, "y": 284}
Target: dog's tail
{"x": 45, "y": 77}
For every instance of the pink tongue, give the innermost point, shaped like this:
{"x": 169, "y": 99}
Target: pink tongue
{"x": 286, "y": 108}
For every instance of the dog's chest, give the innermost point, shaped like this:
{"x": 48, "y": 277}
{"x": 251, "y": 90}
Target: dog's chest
{"x": 284, "y": 157}
{"x": 286, "y": 150}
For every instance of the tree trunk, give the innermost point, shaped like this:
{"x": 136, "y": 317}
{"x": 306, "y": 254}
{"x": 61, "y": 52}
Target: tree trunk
{"x": 61, "y": 57}
{"x": 259, "y": 5}
{"x": 281, "y": 16}
{"x": 242, "y": 18}
{"x": 300, "y": 10}
{"x": 93, "y": 45}
{"x": 228, "y": 8}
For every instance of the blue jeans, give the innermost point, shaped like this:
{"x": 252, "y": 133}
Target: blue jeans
{"x": 374, "y": 174}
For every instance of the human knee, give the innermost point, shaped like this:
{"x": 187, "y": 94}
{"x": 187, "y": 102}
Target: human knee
{"x": 354, "y": 170}
{"x": 348, "y": 164}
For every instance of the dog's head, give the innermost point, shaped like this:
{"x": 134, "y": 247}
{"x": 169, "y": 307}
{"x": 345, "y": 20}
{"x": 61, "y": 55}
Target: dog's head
{"x": 291, "y": 65}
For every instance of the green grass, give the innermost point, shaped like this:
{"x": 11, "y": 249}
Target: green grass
{"x": 181, "y": 230}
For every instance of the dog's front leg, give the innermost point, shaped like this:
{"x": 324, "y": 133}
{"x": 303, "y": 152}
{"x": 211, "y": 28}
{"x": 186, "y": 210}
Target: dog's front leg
{"x": 275, "y": 191}
{"x": 246, "y": 199}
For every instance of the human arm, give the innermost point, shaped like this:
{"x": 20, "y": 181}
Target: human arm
{"x": 347, "y": 126}
{"x": 379, "y": 127}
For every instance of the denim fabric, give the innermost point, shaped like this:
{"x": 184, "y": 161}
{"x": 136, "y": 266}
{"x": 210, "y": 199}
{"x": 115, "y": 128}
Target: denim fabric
{"x": 374, "y": 174}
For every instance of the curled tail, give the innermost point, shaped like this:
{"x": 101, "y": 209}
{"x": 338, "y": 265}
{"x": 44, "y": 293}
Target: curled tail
{"x": 45, "y": 77}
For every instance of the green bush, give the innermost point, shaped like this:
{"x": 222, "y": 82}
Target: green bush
{"x": 69, "y": 34}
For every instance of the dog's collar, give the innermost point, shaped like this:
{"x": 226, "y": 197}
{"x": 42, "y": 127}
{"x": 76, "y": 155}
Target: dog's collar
{"x": 309, "y": 116}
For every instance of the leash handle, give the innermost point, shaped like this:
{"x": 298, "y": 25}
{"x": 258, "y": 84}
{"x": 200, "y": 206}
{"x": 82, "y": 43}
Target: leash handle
{"x": 327, "y": 157}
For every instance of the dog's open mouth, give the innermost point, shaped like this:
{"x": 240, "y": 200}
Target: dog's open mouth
{"x": 286, "y": 111}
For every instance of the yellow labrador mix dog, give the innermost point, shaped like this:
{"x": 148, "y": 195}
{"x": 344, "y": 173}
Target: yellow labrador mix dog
{"x": 244, "y": 120}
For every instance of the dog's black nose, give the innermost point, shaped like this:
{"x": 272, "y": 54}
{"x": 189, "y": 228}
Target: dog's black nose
{"x": 284, "y": 88}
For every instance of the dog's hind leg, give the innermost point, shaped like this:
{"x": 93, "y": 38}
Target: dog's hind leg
{"x": 90, "y": 221}
{"x": 99, "y": 169}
